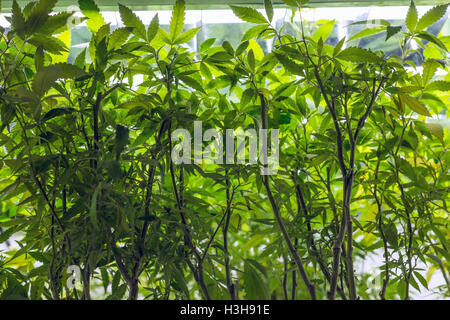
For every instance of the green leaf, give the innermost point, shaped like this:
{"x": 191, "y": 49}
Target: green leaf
{"x": 69, "y": 71}
{"x": 290, "y": 65}
{"x": 153, "y": 28}
{"x": 324, "y": 31}
{"x": 414, "y": 104}
{"x": 191, "y": 82}
{"x": 248, "y": 14}
{"x": 338, "y": 47}
{"x": 367, "y": 32}
{"x": 56, "y": 23}
{"x": 269, "y": 9}
{"x": 115, "y": 281}
{"x": 411, "y": 17}
{"x": 391, "y": 234}
{"x": 91, "y": 11}
{"x": 254, "y": 32}
{"x": 391, "y": 31}
{"x": 180, "y": 281}
{"x": 44, "y": 79}
{"x": 356, "y": 54}
{"x": 122, "y": 135}
{"x": 228, "y": 47}
{"x": 118, "y": 38}
{"x": 430, "y": 67}
{"x": 431, "y": 38}
{"x": 93, "y": 210}
{"x": 80, "y": 59}
{"x": 130, "y": 20}
{"x": 50, "y": 44}
{"x": 39, "y": 58}
{"x": 18, "y": 23}
{"x": 186, "y": 36}
{"x": 254, "y": 284}
{"x": 436, "y": 130}
{"x": 421, "y": 279}
{"x": 293, "y": 3}
{"x": 242, "y": 47}
{"x": 431, "y": 16}
{"x": 39, "y": 15}
{"x": 205, "y": 45}
{"x": 56, "y": 112}
{"x": 6, "y": 234}
{"x": 438, "y": 85}
{"x": 177, "y": 20}
{"x": 251, "y": 60}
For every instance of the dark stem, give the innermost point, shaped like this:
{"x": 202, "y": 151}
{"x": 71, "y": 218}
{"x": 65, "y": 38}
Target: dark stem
{"x": 277, "y": 214}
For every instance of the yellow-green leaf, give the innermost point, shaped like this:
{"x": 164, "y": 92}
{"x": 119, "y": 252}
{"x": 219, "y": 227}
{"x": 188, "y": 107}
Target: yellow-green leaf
{"x": 177, "y": 20}
{"x": 436, "y": 130}
{"x": 91, "y": 11}
{"x": 130, "y": 20}
{"x": 414, "y": 104}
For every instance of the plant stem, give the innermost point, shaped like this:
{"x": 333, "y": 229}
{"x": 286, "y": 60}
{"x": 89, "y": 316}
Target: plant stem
{"x": 277, "y": 214}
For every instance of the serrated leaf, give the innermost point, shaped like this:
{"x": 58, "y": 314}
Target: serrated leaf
{"x": 153, "y": 28}
{"x": 130, "y": 20}
{"x": 356, "y": 54}
{"x": 177, "y": 19}
{"x": 56, "y": 23}
{"x": 92, "y": 12}
{"x": 18, "y": 23}
{"x": 430, "y": 67}
{"x": 186, "y": 36}
{"x": 39, "y": 15}
{"x": 431, "y": 16}
{"x": 391, "y": 31}
{"x": 117, "y": 38}
{"x": 44, "y": 79}
{"x": 47, "y": 76}
{"x": 50, "y": 44}
{"x": 414, "y": 104}
{"x": 248, "y": 14}
{"x": 439, "y": 85}
{"x": 69, "y": 71}
{"x": 163, "y": 36}
{"x": 411, "y": 17}
{"x": 64, "y": 37}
